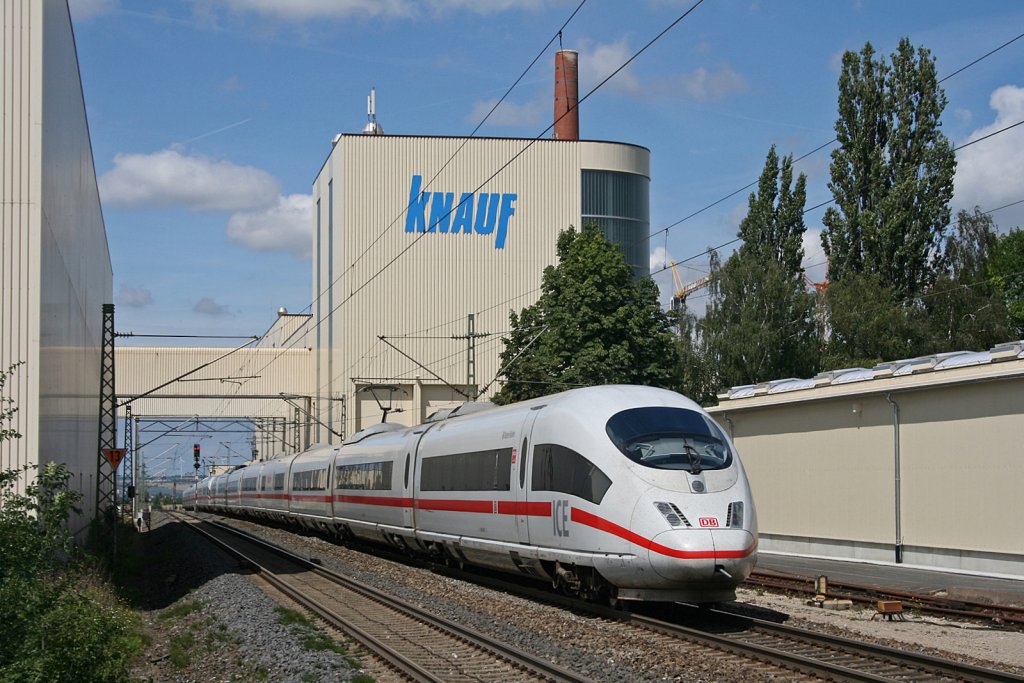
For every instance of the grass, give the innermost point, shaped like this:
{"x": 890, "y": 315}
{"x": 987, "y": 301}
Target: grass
{"x": 180, "y": 610}
{"x": 180, "y": 651}
{"x": 315, "y": 640}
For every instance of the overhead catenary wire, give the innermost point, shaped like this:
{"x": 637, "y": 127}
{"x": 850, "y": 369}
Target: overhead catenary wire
{"x": 688, "y": 217}
{"x": 814, "y": 151}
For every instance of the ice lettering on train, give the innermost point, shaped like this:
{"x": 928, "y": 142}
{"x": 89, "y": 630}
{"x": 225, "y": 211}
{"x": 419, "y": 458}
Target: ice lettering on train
{"x": 560, "y": 517}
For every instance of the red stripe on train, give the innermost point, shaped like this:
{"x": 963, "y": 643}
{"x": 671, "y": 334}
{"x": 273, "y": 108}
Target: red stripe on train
{"x": 386, "y": 501}
{"x": 587, "y": 519}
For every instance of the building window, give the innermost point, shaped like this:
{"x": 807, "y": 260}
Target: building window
{"x": 619, "y": 203}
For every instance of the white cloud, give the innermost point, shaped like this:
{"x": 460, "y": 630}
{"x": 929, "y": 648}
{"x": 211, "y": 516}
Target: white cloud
{"x": 510, "y": 113}
{"x": 134, "y": 297}
{"x": 286, "y": 226}
{"x": 84, "y": 10}
{"x": 170, "y": 178}
{"x": 989, "y": 173}
{"x": 305, "y": 10}
{"x": 207, "y": 306}
{"x": 660, "y": 258}
{"x": 702, "y": 85}
{"x": 598, "y": 60}
{"x": 814, "y": 263}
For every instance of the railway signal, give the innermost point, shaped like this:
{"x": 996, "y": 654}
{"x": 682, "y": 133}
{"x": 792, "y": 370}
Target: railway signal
{"x": 195, "y": 455}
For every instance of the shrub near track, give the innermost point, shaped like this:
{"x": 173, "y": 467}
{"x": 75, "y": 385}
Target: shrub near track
{"x": 59, "y": 621}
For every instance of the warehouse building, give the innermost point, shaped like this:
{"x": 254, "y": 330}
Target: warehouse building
{"x": 54, "y": 258}
{"x": 915, "y": 462}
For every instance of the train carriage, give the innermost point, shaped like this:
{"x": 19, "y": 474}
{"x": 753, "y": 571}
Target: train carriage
{"x": 373, "y": 484}
{"x": 616, "y": 491}
{"x": 272, "y": 496}
{"x": 308, "y": 482}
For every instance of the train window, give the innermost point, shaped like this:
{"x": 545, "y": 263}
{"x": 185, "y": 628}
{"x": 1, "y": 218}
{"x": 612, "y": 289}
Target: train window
{"x": 249, "y": 484}
{"x": 279, "y": 481}
{"x": 557, "y": 468}
{"x": 522, "y": 466}
{"x": 367, "y": 476}
{"x": 310, "y": 480}
{"x": 407, "y": 459}
{"x": 670, "y": 439}
{"x": 477, "y": 471}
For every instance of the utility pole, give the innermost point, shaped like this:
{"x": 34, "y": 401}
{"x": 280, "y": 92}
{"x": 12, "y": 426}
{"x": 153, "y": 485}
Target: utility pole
{"x": 471, "y": 337}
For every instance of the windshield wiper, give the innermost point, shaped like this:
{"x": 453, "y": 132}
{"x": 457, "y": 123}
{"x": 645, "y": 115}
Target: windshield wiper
{"x": 691, "y": 454}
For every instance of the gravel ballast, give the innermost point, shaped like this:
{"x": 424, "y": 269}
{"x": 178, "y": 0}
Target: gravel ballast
{"x": 601, "y": 650}
{"x": 225, "y": 628}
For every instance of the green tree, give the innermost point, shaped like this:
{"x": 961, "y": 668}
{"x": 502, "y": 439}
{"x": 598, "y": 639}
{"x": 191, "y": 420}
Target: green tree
{"x": 695, "y": 376}
{"x": 1006, "y": 268}
{"x": 759, "y": 323}
{"x": 774, "y": 226}
{"x": 965, "y": 308}
{"x": 892, "y": 174}
{"x": 868, "y": 326}
{"x": 594, "y": 323}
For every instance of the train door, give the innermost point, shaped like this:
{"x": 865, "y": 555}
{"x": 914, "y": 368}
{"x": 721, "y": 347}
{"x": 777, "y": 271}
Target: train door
{"x": 407, "y": 476}
{"x": 521, "y": 472}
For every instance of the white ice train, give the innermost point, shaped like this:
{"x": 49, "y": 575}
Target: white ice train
{"x": 613, "y": 492}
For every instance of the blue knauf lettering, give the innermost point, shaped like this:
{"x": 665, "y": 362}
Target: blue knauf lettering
{"x": 475, "y": 213}
{"x": 464, "y": 215}
{"x": 415, "y": 217}
{"x": 507, "y": 211}
{"x": 486, "y": 214}
{"x": 441, "y": 211}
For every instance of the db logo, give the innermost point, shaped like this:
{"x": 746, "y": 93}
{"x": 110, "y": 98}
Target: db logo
{"x": 709, "y": 521}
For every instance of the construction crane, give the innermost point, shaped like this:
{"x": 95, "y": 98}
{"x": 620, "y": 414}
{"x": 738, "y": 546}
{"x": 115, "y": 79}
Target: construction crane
{"x": 684, "y": 290}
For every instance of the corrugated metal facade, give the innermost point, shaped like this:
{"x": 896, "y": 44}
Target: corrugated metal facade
{"x": 822, "y": 463}
{"x": 56, "y": 271}
{"x": 417, "y": 288}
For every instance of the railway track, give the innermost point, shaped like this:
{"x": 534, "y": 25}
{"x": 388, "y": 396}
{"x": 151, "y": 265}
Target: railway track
{"x": 411, "y": 641}
{"x": 798, "y": 652}
{"x": 1003, "y": 615}
{"x": 740, "y": 641}
{"x": 822, "y": 654}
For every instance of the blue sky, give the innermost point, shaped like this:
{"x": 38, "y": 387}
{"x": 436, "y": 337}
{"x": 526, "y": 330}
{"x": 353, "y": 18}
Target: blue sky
{"x": 210, "y": 119}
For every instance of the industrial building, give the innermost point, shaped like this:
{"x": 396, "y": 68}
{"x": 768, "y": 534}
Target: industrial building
{"x": 424, "y": 244}
{"x": 54, "y": 259}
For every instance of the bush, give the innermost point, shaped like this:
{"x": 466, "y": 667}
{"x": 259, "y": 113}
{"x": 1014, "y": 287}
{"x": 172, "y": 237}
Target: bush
{"x": 81, "y": 632}
{"x": 58, "y": 620}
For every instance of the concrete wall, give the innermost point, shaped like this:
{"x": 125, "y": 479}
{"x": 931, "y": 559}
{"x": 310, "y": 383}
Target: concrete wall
{"x": 822, "y": 465}
{"x": 56, "y": 262}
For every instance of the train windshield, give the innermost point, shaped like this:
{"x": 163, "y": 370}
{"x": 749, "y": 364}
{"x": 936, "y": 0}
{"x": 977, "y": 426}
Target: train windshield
{"x": 670, "y": 439}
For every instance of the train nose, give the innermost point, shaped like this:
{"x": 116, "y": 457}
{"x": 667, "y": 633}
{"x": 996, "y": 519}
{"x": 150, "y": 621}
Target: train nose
{"x": 704, "y": 554}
